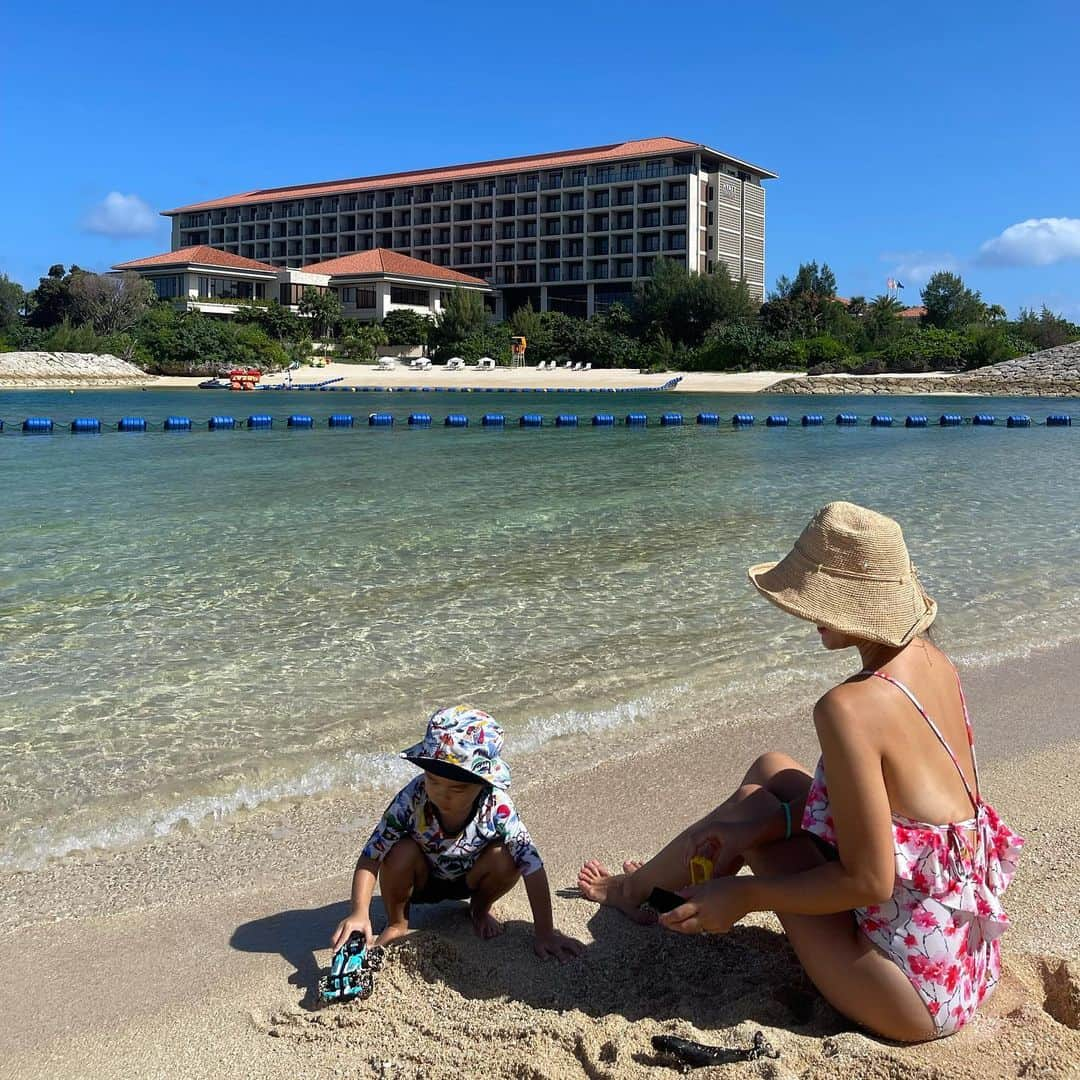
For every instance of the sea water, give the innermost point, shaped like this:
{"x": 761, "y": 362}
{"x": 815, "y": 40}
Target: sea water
{"x": 193, "y": 624}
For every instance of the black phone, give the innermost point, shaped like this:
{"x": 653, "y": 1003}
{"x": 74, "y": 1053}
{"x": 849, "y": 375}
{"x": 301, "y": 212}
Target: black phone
{"x": 662, "y": 901}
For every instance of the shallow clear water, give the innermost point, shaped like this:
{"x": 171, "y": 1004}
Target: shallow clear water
{"x": 195, "y": 623}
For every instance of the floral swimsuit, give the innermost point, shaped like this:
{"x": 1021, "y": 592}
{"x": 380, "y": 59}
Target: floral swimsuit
{"x": 941, "y": 925}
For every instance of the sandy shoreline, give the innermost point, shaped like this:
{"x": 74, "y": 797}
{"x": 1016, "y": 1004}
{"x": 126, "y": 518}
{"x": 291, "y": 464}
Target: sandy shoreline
{"x": 191, "y": 957}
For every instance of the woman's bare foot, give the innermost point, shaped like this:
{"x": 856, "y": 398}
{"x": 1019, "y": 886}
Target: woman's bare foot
{"x": 485, "y": 925}
{"x": 631, "y": 866}
{"x": 392, "y": 932}
{"x": 597, "y": 883}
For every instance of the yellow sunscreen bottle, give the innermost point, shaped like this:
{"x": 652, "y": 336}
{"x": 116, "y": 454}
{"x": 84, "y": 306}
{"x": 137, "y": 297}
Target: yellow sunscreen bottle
{"x": 700, "y": 870}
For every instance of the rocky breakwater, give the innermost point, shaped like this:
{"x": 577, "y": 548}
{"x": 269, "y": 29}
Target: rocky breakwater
{"x": 64, "y": 369}
{"x": 1049, "y": 373}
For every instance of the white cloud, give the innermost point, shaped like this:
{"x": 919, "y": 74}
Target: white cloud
{"x": 915, "y": 267}
{"x": 1035, "y": 242}
{"x": 121, "y": 215}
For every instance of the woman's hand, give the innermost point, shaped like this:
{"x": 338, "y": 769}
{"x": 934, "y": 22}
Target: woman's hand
{"x": 712, "y": 908}
{"x": 723, "y": 842}
{"x": 358, "y": 922}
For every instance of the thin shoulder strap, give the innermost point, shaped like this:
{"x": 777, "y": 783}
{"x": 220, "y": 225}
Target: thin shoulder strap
{"x": 934, "y": 728}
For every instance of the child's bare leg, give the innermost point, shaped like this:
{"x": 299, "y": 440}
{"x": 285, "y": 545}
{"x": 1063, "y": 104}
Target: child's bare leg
{"x": 403, "y": 872}
{"x": 492, "y": 875}
{"x": 769, "y": 779}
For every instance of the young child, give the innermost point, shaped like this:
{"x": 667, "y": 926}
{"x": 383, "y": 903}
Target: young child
{"x": 453, "y": 834}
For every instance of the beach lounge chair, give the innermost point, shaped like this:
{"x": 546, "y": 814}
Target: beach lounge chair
{"x": 578, "y": 366}
{"x": 485, "y": 363}
{"x": 569, "y": 365}
{"x": 588, "y": 366}
{"x": 387, "y": 363}
{"x": 455, "y": 363}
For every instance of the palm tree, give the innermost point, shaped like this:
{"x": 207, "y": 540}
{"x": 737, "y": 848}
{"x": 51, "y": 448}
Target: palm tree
{"x": 883, "y": 316}
{"x": 856, "y": 306}
{"x": 996, "y": 313}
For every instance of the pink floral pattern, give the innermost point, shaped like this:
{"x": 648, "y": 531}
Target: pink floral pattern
{"x": 943, "y": 922}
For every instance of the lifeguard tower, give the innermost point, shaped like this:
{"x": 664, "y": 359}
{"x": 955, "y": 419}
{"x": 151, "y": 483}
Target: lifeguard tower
{"x": 517, "y": 348}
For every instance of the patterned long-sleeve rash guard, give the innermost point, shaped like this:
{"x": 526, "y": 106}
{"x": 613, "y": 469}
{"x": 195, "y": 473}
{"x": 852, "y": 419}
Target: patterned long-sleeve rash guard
{"x": 494, "y": 821}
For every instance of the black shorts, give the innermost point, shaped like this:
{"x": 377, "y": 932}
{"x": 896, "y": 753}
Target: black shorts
{"x": 437, "y": 889}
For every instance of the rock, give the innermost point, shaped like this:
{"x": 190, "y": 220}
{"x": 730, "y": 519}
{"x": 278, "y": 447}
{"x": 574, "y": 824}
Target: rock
{"x": 67, "y": 369}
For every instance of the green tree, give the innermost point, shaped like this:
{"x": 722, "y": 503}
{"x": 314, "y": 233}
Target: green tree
{"x": 1044, "y": 329}
{"x": 276, "y": 321}
{"x": 405, "y": 327}
{"x": 12, "y": 304}
{"x": 322, "y": 308}
{"x": 110, "y": 303}
{"x": 682, "y": 305}
{"x": 950, "y": 304}
{"x": 857, "y": 307}
{"x": 360, "y": 341}
{"x": 883, "y": 318}
{"x": 463, "y": 318}
{"x": 51, "y": 302}
{"x": 809, "y": 280}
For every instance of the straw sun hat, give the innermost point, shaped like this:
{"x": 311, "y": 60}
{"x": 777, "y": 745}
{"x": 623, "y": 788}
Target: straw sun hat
{"x": 850, "y": 571}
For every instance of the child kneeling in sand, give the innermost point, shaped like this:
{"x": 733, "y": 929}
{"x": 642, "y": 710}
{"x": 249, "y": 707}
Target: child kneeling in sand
{"x": 453, "y": 834}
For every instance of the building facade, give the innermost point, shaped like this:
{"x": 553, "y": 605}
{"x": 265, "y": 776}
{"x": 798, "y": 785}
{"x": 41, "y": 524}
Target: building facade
{"x": 368, "y": 284}
{"x": 571, "y": 230}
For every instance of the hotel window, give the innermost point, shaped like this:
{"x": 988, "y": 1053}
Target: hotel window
{"x": 365, "y": 298}
{"x": 399, "y": 294}
{"x": 169, "y": 287}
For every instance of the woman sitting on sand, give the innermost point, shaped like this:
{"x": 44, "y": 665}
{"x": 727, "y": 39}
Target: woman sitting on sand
{"x": 885, "y": 866}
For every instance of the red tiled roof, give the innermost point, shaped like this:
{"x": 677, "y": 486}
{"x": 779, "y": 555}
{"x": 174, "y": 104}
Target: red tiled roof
{"x": 610, "y": 152}
{"x": 383, "y": 261}
{"x": 200, "y": 255}
{"x": 912, "y": 313}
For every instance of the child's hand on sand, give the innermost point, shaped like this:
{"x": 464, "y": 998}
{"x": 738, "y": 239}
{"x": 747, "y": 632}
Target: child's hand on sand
{"x": 358, "y": 922}
{"x": 712, "y": 908}
{"x": 556, "y": 944}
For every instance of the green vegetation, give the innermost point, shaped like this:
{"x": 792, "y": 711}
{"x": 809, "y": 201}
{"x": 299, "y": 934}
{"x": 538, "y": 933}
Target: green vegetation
{"x": 675, "y": 320}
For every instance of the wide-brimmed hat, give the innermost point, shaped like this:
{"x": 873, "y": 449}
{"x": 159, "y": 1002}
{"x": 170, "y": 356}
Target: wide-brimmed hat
{"x": 850, "y": 571}
{"x": 464, "y": 744}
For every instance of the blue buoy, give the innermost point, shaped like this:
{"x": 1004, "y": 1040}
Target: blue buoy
{"x": 1018, "y": 420}
{"x": 298, "y": 420}
{"x": 380, "y": 419}
{"x": 1059, "y": 420}
{"x": 604, "y": 419}
{"x": 493, "y": 419}
{"x": 671, "y": 419}
{"x": 177, "y": 423}
{"x": 1, "y": 425}
{"x": 221, "y": 423}
{"x": 340, "y": 419}
{"x": 419, "y": 419}
{"x": 531, "y": 419}
{"x": 813, "y": 420}
{"x": 131, "y": 423}
{"x": 708, "y": 418}
{"x": 37, "y": 425}
{"x": 637, "y": 419}
{"x": 951, "y": 420}
{"x": 915, "y": 421}
{"x": 846, "y": 419}
{"x": 881, "y": 420}
{"x": 260, "y": 420}
{"x": 742, "y": 419}
{"x": 776, "y": 420}
{"x": 86, "y": 425}
{"x": 457, "y": 420}
{"x": 566, "y": 420}
{"x": 983, "y": 420}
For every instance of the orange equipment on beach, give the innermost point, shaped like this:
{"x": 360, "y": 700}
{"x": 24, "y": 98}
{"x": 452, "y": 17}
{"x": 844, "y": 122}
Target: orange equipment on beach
{"x": 244, "y": 378}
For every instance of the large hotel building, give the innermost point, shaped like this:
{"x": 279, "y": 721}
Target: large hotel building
{"x": 571, "y": 230}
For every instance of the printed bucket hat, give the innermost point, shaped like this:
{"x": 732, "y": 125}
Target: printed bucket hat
{"x": 850, "y": 571}
{"x": 462, "y": 744}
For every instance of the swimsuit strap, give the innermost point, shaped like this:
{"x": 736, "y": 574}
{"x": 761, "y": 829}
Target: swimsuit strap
{"x": 934, "y": 728}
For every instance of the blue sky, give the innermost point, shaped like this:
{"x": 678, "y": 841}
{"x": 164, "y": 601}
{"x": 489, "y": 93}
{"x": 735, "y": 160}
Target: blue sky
{"x": 907, "y": 139}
